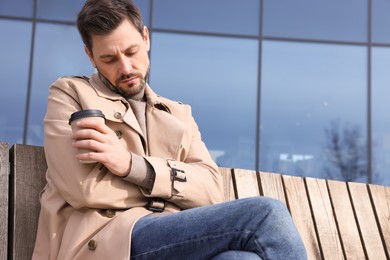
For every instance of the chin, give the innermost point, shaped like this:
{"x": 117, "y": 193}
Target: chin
{"x": 133, "y": 90}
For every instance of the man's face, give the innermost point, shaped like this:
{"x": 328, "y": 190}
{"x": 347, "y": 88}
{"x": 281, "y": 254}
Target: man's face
{"x": 122, "y": 57}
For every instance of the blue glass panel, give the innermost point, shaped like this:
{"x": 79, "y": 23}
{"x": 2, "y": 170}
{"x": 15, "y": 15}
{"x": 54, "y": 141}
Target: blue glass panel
{"x": 144, "y": 6}
{"x": 15, "y": 46}
{"x": 68, "y": 10}
{"x": 58, "y": 52}
{"x": 381, "y": 21}
{"x": 313, "y": 106}
{"x": 324, "y": 20}
{"x": 218, "y": 16}
{"x": 19, "y": 8}
{"x": 380, "y": 116}
{"x": 59, "y": 9}
{"x": 218, "y": 78}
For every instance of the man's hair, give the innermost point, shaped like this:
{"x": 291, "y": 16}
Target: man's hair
{"x": 100, "y": 17}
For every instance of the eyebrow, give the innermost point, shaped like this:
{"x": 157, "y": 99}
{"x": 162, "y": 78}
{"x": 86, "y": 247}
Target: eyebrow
{"x": 111, "y": 55}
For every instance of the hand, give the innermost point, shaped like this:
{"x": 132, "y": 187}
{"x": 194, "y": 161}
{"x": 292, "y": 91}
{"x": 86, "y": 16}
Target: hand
{"x": 98, "y": 137}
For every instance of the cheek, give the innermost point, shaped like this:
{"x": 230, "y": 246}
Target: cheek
{"x": 145, "y": 64}
{"x": 108, "y": 72}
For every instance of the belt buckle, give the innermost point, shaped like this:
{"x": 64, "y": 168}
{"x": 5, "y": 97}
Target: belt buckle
{"x": 155, "y": 205}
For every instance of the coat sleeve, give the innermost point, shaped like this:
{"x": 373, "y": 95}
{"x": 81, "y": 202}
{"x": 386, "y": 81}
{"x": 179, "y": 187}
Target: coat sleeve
{"x": 81, "y": 185}
{"x": 192, "y": 179}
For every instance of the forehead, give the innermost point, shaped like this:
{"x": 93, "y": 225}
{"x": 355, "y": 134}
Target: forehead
{"x": 122, "y": 37}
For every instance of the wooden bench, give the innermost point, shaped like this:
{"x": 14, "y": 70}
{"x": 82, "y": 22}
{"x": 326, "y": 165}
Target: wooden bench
{"x": 337, "y": 220}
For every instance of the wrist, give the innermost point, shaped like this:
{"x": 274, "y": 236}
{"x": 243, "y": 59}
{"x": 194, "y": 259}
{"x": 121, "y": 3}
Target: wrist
{"x": 128, "y": 169}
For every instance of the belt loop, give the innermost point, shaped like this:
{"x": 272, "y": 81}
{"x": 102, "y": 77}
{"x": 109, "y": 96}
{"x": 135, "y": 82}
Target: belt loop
{"x": 155, "y": 204}
{"x": 179, "y": 175}
{"x": 176, "y": 173}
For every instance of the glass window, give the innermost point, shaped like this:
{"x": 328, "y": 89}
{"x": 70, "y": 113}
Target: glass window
{"x": 69, "y": 9}
{"x": 323, "y": 20}
{"x": 217, "y": 16}
{"x": 218, "y": 77}
{"x": 13, "y": 8}
{"x": 59, "y": 10}
{"x": 380, "y": 116}
{"x": 381, "y": 21}
{"x": 313, "y": 108}
{"x": 144, "y": 6}
{"x": 58, "y": 52}
{"x": 15, "y": 46}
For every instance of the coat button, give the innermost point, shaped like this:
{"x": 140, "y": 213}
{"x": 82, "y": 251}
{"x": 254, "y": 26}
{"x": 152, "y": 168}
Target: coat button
{"x": 118, "y": 115}
{"x": 119, "y": 134}
{"x": 92, "y": 244}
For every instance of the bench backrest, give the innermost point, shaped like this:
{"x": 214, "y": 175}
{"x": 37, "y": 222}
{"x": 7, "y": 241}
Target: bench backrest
{"x": 4, "y": 171}
{"x": 27, "y": 179}
{"x": 337, "y": 220}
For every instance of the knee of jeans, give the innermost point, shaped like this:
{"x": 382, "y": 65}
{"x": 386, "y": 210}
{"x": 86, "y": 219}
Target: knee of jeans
{"x": 271, "y": 205}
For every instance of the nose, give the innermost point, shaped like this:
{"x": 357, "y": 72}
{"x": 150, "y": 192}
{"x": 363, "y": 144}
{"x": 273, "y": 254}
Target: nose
{"x": 125, "y": 65}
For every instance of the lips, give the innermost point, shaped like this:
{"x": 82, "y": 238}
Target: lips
{"x": 129, "y": 80}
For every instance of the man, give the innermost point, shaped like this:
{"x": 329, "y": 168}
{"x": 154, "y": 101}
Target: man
{"x": 155, "y": 192}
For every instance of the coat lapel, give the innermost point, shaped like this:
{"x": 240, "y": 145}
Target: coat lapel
{"x": 117, "y": 113}
{"x": 165, "y": 131}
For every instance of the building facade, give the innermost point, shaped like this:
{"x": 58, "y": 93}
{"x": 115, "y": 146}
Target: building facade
{"x": 297, "y": 87}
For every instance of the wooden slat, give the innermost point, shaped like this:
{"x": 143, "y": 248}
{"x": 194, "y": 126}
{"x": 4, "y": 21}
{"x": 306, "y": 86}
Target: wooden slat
{"x": 327, "y": 232}
{"x": 299, "y": 207}
{"x": 227, "y": 183}
{"x": 246, "y": 183}
{"x": 366, "y": 220}
{"x": 271, "y": 185}
{"x": 381, "y": 200}
{"x": 345, "y": 219}
{"x": 27, "y": 179}
{"x": 4, "y": 171}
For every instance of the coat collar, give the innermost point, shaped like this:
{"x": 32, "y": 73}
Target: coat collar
{"x": 164, "y": 130}
{"x": 103, "y": 91}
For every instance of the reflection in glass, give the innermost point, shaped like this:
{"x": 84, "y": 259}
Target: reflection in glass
{"x": 12, "y": 8}
{"x": 68, "y": 10}
{"x": 218, "y": 16}
{"x": 58, "y": 52}
{"x": 15, "y": 46}
{"x": 59, "y": 9}
{"x": 218, "y": 78}
{"x": 144, "y": 6}
{"x": 313, "y": 106}
{"x": 380, "y": 115}
{"x": 380, "y": 21}
{"x": 323, "y": 20}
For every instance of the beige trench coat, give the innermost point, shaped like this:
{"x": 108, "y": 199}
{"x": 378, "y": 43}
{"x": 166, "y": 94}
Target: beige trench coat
{"x": 87, "y": 212}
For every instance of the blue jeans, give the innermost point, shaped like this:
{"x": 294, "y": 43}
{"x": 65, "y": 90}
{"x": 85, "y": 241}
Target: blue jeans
{"x": 251, "y": 228}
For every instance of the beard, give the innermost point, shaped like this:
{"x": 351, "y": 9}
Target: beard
{"x": 127, "y": 91}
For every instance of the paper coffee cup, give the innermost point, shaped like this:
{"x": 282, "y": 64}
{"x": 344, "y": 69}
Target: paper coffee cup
{"x": 83, "y": 114}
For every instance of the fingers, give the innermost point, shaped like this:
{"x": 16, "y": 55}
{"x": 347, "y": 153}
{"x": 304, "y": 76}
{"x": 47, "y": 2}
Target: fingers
{"x": 89, "y": 144}
{"x": 113, "y": 155}
{"x": 92, "y": 128}
{"x": 94, "y": 123}
{"x": 88, "y": 133}
{"x": 93, "y": 134}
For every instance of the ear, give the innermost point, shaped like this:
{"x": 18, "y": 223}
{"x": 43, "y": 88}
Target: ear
{"x": 146, "y": 38}
{"x": 90, "y": 56}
